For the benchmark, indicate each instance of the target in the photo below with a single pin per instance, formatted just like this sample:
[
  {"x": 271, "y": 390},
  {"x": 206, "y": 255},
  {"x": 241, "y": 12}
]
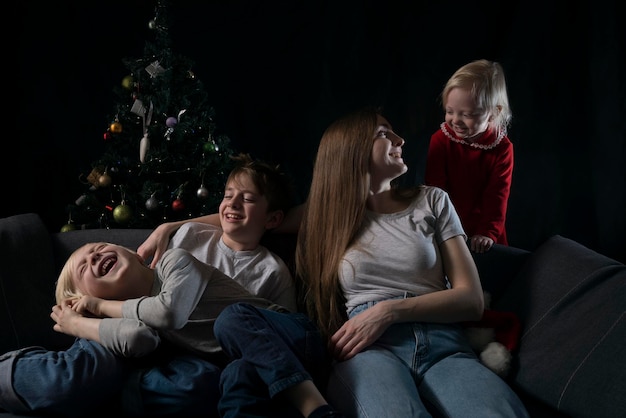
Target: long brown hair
[{"x": 334, "y": 211}]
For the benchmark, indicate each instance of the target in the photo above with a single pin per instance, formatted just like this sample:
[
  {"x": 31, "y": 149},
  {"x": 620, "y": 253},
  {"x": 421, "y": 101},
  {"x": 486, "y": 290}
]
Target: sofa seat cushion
[{"x": 571, "y": 301}]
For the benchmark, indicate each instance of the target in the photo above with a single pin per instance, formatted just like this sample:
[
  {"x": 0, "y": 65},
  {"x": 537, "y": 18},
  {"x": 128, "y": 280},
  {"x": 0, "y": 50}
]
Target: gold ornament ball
[
  {"x": 122, "y": 214},
  {"x": 116, "y": 127},
  {"x": 68, "y": 227},
  {"x": 104, "y": 180},
  {"x": 128, "y": 82}
]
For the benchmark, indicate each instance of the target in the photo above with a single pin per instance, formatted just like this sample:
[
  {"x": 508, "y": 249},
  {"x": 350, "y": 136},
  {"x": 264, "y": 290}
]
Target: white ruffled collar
[{"x": 479, "y": 144}]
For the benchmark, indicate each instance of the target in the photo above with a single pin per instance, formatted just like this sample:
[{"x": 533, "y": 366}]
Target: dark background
[{"x": 278, "y": 72}]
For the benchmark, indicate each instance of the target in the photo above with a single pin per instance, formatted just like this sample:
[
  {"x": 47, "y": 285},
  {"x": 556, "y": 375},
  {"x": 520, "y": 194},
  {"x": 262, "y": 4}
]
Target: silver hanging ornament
[
  {"x": 152, "y": 203},
  {"x": 202, "y": 192}
]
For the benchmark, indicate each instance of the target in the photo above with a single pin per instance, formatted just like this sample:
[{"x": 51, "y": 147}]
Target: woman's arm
[{"x": 462, "y": 302}]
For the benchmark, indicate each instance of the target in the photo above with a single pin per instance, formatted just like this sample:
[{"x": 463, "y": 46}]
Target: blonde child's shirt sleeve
[{"x": 186, "y": 298}]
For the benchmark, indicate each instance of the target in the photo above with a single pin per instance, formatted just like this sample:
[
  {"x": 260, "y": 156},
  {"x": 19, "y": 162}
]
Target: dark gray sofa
[{"x": 571, "y": 359}]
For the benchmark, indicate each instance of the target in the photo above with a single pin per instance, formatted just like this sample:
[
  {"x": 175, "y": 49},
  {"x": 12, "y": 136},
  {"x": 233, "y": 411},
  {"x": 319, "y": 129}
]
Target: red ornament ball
[
  {"x": 107, "y": 136},
  {"x": 178, "y": 205}
]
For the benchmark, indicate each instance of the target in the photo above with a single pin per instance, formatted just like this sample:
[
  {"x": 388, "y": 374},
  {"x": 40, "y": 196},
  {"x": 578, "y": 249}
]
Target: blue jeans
[
  {"x": 62, "y": 383},
  {"x": 270, "y": 351},
  {"x": 87, "y": 378},
  {"x": 419, "y": 370},
  {"x": 172, "y": 384}
]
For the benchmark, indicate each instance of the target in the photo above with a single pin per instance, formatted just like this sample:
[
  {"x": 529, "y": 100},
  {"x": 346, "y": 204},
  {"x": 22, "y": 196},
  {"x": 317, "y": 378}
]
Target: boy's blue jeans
[
  {"x": 84, "y": 379},
  {"x": 270, "y": 351},
  {"x": 415, "y": 369}
]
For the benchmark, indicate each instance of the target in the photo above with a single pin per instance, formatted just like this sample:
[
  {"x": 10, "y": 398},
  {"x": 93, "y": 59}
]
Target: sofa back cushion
[
  {"x": 572, "y": 354},
  {"x": 27, "y": 281},
  {"x": 64, "y": 243}
]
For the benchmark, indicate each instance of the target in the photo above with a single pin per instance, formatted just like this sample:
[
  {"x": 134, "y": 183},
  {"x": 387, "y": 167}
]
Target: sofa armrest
[{"x": 571, "y": 301}]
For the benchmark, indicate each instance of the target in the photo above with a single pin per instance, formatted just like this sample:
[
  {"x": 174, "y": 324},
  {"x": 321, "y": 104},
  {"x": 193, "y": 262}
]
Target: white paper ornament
[
  {"x": 155, "y": 69},
  {"x": 138, "y": 108},
  {"x": 144, "y": 146}
]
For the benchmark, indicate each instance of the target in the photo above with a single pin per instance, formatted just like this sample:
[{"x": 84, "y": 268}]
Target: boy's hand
[{"x": 156, "y": 244}]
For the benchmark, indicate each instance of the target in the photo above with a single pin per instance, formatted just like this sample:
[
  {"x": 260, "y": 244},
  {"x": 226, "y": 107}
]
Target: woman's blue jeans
[
  {"x": 270, "y": 351},
  {"x": 420, "y": 370}
]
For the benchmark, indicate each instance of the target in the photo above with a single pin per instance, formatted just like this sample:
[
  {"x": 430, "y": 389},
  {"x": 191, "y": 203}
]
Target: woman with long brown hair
[{"x": 388, "y": 276}]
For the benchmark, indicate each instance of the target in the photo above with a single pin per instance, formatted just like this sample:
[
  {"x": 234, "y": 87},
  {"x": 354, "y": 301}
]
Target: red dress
[{"x": 477, "y": 176}]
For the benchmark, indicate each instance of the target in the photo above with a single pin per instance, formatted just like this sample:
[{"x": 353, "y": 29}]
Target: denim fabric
[
  {"x": 87, "y": 377},
  {"x": 73, "y": 382},
  {"x": 270, "y": 351},
  {"x": 182, "y": 385},
  {"x": 418, "y": 369}
]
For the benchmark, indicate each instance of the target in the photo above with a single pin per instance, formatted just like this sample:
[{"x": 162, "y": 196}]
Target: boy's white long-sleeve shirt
[{"x": 260, "y": 271}]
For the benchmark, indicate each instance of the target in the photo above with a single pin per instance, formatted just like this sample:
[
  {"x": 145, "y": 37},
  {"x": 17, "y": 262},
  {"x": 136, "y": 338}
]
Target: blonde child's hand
[
  {"x": 88, "y": 306},
  {"x": 480, "y": 243},
  {"x": 69, "y": 321},
  {"x": 65, "y": 317}
]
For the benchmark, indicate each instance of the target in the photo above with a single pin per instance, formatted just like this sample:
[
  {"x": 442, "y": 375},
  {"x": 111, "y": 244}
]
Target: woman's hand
[{"x": 360, "y": 331}]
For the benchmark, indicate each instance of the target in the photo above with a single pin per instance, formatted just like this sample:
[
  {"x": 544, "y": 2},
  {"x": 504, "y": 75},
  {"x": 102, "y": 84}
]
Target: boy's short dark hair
[{"x": 268, "y": 179}]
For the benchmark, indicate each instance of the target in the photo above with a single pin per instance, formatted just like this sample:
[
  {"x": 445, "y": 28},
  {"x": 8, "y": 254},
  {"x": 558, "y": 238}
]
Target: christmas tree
[{"x": 164, "y": 158}]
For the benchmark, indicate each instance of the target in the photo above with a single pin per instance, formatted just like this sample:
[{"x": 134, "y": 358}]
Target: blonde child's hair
[
  {"x": 65, "y": 287},
  {"x": 486, "y": 83}
]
